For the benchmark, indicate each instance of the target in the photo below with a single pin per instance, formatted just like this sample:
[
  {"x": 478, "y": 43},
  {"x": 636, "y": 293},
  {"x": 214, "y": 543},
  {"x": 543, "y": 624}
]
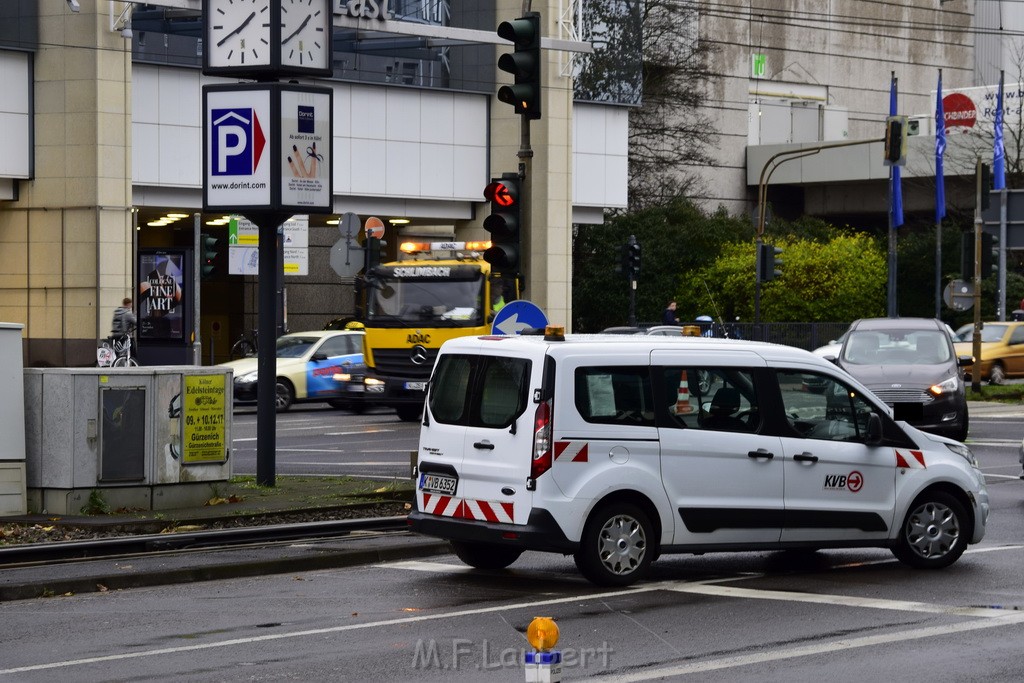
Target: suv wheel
[
  {"x": 486, "y": 555},
  {"x": 616, "y": 548},
  {"x": 933, "y": 534}
]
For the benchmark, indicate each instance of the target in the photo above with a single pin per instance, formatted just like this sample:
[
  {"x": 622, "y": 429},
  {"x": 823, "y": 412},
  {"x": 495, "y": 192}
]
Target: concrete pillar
[{"x": 71, "y": 229}]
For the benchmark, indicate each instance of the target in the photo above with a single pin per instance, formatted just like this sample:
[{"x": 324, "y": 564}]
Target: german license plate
[
  {"x": 437, "y": 483},
  {"x": 415, "y": 386}
]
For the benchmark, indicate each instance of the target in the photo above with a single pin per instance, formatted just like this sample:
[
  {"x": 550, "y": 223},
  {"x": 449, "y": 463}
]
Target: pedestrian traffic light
[
  {"x": 523, "y": 64},
  {"x": 503, "y": 223},
  {"x": 967, "y": 259},
  {"x": 208, "y": 254},
  {"x": 768, "y": 262},
  {"x": 895, "y": 140}
]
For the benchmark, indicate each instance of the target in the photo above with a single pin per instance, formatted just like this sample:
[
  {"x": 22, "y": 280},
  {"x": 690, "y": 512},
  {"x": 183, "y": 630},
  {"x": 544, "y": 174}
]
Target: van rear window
[{"x": 479, "y": 391}]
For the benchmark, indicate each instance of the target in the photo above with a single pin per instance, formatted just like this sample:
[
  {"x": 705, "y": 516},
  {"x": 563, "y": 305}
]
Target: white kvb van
[{"x": 617, "y": 449}]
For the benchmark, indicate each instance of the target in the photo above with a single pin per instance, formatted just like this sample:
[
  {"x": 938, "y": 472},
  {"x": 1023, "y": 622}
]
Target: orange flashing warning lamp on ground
[{"x": 503, "y": 223}]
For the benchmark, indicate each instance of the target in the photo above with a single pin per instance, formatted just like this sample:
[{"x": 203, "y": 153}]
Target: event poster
[{"x": 161, "y": 301}]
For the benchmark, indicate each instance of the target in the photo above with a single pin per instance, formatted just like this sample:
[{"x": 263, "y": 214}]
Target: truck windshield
[{"x": 442, "y": 303}]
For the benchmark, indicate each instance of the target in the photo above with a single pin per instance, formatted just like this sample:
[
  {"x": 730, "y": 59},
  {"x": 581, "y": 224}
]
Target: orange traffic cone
[{"x": 683, "y": 406}]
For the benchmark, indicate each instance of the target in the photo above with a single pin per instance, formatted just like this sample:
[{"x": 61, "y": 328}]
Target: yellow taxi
[{"x": 1002, "y": 350}]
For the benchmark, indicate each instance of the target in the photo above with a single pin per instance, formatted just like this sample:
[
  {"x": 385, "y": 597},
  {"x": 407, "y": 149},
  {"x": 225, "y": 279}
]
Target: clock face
[
  {"x": 238, "y": 33},
  {"x": 306, "y": 34}
]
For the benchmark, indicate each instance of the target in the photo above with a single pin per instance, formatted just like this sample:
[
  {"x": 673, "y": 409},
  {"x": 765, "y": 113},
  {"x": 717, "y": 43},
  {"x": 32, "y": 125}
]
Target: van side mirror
[{"x": 874, "y": 430}]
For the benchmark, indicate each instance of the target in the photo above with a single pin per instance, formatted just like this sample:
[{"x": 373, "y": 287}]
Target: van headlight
[
  {"x": 945, "y": 387},
  {"x": 964, "y": 452}
]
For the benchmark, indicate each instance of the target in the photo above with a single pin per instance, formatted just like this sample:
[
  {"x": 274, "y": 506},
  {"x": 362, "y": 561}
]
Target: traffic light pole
[
  {"x": 767, "y": 170},
  {"x": 976, "y": 337},
  {"x": 197, "y": 276}
]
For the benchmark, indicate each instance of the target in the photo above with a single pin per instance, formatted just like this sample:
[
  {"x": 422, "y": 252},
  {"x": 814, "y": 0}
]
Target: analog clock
[
  {"x": 306, "y": 35},
  {"x": 238, "y": 35}
]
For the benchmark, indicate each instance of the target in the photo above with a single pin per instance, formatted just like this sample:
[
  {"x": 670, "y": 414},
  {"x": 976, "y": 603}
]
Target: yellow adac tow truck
[{"x": 438, "y": 291}]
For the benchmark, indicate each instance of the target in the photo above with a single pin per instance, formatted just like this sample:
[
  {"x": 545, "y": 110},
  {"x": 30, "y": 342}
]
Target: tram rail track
[{"x": 178, "y": 541}]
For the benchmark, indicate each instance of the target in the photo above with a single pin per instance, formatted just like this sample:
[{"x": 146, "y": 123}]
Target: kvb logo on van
[
  {"x": 238, "y": 141},
  {"x": 852, "y": 482}
]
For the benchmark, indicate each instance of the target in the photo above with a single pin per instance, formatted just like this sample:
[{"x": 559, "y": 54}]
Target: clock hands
[
  {"x": 296, "y": 31},
  {"x": 237, "y": 30}
]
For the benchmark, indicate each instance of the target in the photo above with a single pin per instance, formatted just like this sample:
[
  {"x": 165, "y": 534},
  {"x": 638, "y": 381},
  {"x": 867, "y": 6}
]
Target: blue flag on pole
[
  {"x": 940, "y": 150},
  {"x": 998, "y": 151},
  {"x": 895, "y": 186}
]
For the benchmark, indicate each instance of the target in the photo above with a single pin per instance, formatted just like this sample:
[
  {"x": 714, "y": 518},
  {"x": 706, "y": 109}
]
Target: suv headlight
[
  {"x": 945, "y": 387},
  {"x": 964, "y": 452}
]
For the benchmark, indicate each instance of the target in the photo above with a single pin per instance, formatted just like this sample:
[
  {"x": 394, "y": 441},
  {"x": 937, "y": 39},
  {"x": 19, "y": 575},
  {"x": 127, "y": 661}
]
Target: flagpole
[
  {"x": 893, "y": 179},
  {"x": 940, "y": 192}
]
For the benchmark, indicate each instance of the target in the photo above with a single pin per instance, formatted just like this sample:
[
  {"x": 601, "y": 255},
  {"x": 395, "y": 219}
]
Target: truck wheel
[
  {"x": 486, "y": 555},
  {"x": 933, "y": 534},
  {"x": 409, "y": 413},
  {"x": 616, "y": 546}
]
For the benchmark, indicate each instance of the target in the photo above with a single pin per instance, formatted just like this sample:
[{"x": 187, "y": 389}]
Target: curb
[{"x": 109, "y": 580}]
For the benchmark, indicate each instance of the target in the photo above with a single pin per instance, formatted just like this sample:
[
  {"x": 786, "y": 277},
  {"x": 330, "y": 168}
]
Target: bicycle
[
  {"x": 246, "y": 346},
  {"x": 117, "y": 352}
]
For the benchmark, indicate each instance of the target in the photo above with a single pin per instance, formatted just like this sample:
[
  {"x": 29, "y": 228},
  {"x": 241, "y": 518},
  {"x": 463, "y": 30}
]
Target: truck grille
[
  {"x": 891, "y": 396},
  {"x": 397, "y": 363}
]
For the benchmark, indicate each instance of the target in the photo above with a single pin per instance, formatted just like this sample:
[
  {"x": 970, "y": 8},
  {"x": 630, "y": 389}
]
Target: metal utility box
[
  {"x": 143, "y": 438},
  {"x": 12, "y": 422}
]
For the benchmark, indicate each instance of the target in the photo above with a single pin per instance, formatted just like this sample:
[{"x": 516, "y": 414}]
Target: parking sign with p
[{"x": 236, "y": 131}]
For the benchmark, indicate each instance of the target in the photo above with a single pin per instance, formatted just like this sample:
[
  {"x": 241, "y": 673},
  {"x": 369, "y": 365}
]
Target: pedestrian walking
[{"x": 669, "y": 317}]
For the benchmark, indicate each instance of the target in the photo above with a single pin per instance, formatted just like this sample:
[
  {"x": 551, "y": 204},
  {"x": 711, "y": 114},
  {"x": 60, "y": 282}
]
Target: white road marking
[
  {"x": 843, "y": 600},
  {"x": 322, "y": 631},
  {"x": 829, "y": 647}
]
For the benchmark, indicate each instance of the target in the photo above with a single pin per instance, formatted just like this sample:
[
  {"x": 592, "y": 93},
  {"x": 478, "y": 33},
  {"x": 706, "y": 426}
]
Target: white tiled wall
[
  {"x": 387, "y": 141},
  {"x": 600, "y": 153},
  {"x": 15, "y": 83}
]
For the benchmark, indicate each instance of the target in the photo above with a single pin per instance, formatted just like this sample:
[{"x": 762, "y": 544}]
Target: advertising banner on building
[{"x": 162, "y": 295}]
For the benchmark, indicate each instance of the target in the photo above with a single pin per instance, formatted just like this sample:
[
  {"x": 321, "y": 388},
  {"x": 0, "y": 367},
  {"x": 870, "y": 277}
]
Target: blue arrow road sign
[{"x": 516, "y": 316}]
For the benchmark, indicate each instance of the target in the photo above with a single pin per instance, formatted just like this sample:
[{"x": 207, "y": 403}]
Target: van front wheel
[
  {"x": 485, "y": 555},
  {"x": 616, "y": 546},
  {"x": 933, "y": 534}
]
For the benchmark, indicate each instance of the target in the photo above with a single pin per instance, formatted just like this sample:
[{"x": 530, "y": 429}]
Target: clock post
[{"x": 267, "y": 147}]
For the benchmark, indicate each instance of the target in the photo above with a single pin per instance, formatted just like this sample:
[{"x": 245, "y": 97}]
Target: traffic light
[
  {"x": 895, "y": 140},
  {"x": 503, "y": 223},
  {"x": 769, "y": 262},
  {"x": 634, "y": 259},
  {"x": 623, "y": 267},
  {"x": 967, "y": 254},
  {"x": 523, "y": 64},
  {"x": 208, "y": 254}
]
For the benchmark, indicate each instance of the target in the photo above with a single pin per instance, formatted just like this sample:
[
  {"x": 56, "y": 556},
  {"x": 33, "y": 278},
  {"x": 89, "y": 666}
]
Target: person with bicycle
[
  {"x": 121, "y": 329},
  {"x": 124, "y": 319}
]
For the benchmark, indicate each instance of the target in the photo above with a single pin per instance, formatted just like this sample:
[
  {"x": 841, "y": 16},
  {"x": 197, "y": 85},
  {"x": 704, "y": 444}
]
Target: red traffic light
[{"x": 500, "y": 194}]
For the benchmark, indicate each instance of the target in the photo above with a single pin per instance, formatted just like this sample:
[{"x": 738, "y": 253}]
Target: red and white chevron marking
[
  {"x": 466, "y": 508},
  {"x": 574, "y": 451},
  {"x": 912, "y": 460}
]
